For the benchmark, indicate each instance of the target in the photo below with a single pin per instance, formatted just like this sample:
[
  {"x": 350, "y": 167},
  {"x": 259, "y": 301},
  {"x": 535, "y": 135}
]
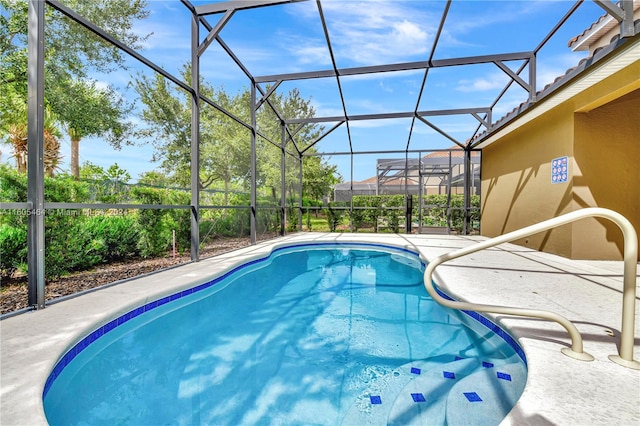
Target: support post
[
  {"x": 627, "y": 25},
  {"x": 195, "y": 139},
  {"x": 449, "y": 209},
  {"x": 420, "y": 192},
  {"x": 532, "y": 82},
  {"x": 407, "y": 195},
  {"x": 300, "y": 191},
  {"x": 351, "y": 194},
  {"x": 466, "y": 229},
  {"x": 254, "y": 166},
  {"x": 622, "y": 12},
  {"x": 283, "y": 182},
  {"x": 35, "y": 155}
]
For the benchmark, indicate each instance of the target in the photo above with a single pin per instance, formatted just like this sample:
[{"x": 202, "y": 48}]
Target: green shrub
[
  {"x": 307, "y": 220},
  {"x": 359, "y": 215},
  {"x": 236, "y": 221},
  {"x": 334, "y": 214},
  {"x": 267, "y": 220},
  {"x": 217, "y": 224},
  {"x": 154, "y": 238},
  {"x": 310, "y": 202},
  {"x": 457, "y": 211},
  {"x": 292, "y": 219},
  {"x": 179, "y": 220},
  {"x": 207, "y": 228},
  {"x": 117, "y": 235},
  {"x": 392, "y": 212},
  {"x": 435, "y": 211},
  {"x": 369, "y": 209},
  {"x": 65, "y": 189},
  {"x": 13, "y": 249},
  {"x": 69, "y": 245},
  {"x": 225, "y": 222},
  {"x": 156, "y": 226},
  {"x": 13, "y": 185},
  {"x": 374, "y": 202}
]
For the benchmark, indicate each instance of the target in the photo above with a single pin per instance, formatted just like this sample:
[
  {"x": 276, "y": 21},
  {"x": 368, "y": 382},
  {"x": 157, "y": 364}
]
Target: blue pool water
[{"x": 319, "y": 334}]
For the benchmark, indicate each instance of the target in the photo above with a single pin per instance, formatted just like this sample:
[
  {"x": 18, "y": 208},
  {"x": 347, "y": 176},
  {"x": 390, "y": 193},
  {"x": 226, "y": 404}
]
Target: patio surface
[{"x": 559, "y": 390}]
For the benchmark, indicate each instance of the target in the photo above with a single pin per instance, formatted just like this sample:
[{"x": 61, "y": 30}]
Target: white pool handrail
[{"x": 625, "y": 357}]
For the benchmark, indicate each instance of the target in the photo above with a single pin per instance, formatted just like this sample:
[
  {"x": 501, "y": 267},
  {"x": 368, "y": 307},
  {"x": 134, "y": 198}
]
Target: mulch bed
[{"x": 14, "y": 296}]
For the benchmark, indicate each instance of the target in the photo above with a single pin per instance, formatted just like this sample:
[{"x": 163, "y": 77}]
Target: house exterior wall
[
  {"x": 607, "y": 156},
  {"x": 516, "y": 188},
  {"x": 599, "y": 131}
]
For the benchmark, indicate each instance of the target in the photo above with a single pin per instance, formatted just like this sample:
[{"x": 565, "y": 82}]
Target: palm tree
[
  {"x": 18, "y": 137},
  {"x": 52, "y": 156}
]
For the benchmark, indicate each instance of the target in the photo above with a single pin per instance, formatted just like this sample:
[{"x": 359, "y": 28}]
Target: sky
[{"x": 290, "y": 38}]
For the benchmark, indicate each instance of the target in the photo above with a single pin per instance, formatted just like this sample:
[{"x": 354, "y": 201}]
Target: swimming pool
[{"x": 322, "y": 334}]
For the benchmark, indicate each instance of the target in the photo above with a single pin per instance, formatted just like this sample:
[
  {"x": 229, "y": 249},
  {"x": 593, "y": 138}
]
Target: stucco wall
[
  {"x": 607, "y": 173},
  {"x": 516, "y": 181},
  {"x": 599, "y": 130}
]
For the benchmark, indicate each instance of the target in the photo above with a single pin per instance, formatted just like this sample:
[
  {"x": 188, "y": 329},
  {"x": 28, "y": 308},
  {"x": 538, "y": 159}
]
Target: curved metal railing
[{"x": 625, "y": 356}]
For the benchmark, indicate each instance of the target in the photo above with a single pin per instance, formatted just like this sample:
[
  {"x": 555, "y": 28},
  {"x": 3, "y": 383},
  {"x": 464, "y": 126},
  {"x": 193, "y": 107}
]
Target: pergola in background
[{"x": 261, "y": 86}]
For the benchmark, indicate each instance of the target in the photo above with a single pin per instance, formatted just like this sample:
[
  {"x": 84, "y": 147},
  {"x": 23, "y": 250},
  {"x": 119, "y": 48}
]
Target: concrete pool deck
[{"x": 559, "y": 390}]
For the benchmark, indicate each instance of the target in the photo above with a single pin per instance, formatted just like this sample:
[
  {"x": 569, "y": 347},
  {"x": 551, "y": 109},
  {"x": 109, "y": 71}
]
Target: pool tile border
[{"x": 503, "y": 334}]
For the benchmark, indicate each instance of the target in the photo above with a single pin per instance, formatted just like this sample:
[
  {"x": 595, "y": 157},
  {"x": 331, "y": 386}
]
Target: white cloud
[
  {"x": 549, "y": 69},
  {"x": 493, "y": 81},
  {"x": 409, "y": 32},
  {"x": 311, "y": 52},
  {"x": 375, "y": 32},
  {"x": 384, "y": 87},
  {"x": 164, "y": 36},
  {"x": 324, "y": 110}
]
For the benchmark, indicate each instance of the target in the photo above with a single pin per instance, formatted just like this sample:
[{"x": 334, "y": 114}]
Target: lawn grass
[{"x": 318, "y": 224}]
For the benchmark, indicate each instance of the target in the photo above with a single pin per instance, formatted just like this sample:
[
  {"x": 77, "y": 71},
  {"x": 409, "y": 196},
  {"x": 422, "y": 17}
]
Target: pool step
[
  {"x": 389, "y": 399},
  {"x": 487, "y": 394},
  {"x": 464, "y": 391},
  {"x": 423, "y": 400}
]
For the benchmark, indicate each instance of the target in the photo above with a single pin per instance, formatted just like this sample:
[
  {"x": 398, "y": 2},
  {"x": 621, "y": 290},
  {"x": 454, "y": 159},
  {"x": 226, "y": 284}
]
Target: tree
[
  {"x": 154, "y": 178},
  {"x": 71, "y": 52},
  {"x": 106, "y": 185},
  {"x": 224, "y": 144},
  {"x": 224, "y": 147},
  {"x": 290, "y": 106},
  {"x": 14, "y": 132},
  {"x": 319, "y": 177},
  {"x": 168, "y": 116},
  {"x": 87, "y": 110},
  {"x": 225, "y": 151}
]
